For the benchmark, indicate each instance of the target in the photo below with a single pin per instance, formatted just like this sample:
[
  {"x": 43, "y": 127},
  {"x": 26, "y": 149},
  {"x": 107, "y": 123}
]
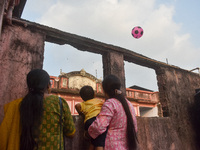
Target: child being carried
[{"x": 90, "y": 108}]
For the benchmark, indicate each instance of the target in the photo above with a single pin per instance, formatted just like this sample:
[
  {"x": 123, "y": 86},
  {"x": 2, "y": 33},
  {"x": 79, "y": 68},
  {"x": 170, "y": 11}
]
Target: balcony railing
[{"x": 142, "y": 95}]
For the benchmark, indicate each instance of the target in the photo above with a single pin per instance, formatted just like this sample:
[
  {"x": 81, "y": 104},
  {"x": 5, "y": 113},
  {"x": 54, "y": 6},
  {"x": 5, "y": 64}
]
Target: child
[{"x": 90, "y": 108}]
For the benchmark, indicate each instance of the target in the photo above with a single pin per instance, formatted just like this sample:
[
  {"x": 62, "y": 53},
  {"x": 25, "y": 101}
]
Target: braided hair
[
  {"x": 111, "y": 86},
  {"x": 31, "y": 108}
]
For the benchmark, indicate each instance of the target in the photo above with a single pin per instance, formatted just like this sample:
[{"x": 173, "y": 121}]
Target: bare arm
[{"x": 78, "y": 108}]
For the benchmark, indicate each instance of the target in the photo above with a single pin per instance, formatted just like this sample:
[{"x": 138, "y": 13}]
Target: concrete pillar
[{"x": 113, "y": 63}]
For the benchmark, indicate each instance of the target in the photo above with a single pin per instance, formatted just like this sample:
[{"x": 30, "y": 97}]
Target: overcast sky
[{"x": 171, "y": 31}]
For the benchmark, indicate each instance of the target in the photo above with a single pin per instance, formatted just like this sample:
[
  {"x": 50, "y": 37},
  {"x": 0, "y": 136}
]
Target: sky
[{"x": 171, "y": 33}]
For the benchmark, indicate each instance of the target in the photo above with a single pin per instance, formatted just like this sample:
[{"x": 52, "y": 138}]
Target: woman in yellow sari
[{"x": 33, "y": 122}]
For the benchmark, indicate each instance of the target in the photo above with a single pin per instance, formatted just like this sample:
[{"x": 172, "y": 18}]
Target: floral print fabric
[
  {"x": 49, "y": 138},
  {"x": 113, "y": 116}
]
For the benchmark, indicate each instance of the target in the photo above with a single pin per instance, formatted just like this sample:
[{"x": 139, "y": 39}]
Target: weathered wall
[
  {"x": 78, "y": 142},
  {"x": 157, "y": 134},
  {"x": 153, "y": 134},
  {"x": 2, "y": 3},
  {"x": 177, "y": 89},
  {"x": 20, "y": 51}
]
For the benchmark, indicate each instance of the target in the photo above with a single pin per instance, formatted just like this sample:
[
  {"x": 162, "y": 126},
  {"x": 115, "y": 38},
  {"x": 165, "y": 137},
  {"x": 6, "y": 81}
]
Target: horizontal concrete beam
[{"x": 86, "y": 44}]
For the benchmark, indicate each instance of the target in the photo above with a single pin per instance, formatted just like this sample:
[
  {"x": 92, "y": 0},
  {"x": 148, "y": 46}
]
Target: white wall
[{"x": 148, "y": 111}]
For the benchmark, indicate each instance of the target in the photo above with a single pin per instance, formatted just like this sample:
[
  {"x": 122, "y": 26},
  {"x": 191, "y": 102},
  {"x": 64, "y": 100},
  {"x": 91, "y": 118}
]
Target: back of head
[
  {"x": 31, "y": 108},
  {"x": 86, "y": 93},
  {"x": 38, "y": 81},
  {"x": 110, "y": 84}
]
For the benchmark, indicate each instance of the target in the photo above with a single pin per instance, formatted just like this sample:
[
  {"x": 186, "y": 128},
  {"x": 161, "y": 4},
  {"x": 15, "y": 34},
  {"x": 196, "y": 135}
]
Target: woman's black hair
[
  {"x": 31, "y": 108},
  {"x": 110, "y": 84}
]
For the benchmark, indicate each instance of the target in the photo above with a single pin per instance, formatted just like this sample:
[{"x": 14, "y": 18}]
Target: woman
[
  {"x": 33, "y": 122},
  {"x": 117, "y": 114}
]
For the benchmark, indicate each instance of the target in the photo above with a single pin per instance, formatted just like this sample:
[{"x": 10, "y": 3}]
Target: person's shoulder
[
  {"x": 12, "y": 104},
  {"x": 111, "y": 101},
  {"x": 52, "y": 99},
  {"x": 129, "y": 102},
  {"x": 17, "y": 100},
  {"x": 57, "y": 99},
  {"x": 64, "y": 102},
  {"x": 97, "y": 99}
]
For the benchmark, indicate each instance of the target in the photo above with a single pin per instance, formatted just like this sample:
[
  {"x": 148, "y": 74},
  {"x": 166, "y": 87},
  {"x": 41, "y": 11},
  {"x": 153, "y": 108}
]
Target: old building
[{"x": 67, "y": 85}]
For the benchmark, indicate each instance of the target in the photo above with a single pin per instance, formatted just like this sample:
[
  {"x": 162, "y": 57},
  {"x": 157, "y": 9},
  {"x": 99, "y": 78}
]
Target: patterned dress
[
  {"x": 49, "y": 138},
  {"x": 113, "y": 116}
]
